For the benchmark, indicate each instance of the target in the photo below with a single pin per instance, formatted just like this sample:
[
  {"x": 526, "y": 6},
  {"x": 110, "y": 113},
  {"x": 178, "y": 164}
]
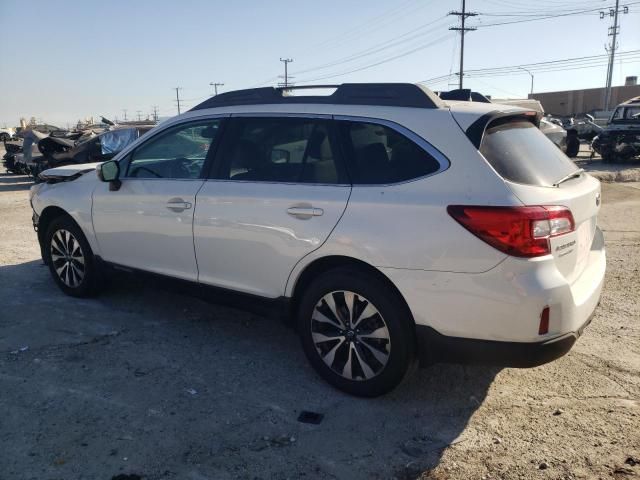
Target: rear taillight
[{"x": 517, "y": 231}]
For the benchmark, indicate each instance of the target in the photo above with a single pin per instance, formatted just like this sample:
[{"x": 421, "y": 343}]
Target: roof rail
[{"x": 379, "y": 94}]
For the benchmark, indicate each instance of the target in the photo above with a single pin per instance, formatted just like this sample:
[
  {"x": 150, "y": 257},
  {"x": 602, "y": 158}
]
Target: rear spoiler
[{"x": 476, "y": 130}]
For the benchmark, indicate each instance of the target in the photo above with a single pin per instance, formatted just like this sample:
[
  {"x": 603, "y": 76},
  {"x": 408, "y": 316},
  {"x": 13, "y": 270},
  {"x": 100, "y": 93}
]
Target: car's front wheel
[
  {"x": 70, "y": 258},
  {"x": 356, "y": 332}
]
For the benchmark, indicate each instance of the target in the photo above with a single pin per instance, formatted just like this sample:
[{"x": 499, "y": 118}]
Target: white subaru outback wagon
[{"x": 392, "y": 225}]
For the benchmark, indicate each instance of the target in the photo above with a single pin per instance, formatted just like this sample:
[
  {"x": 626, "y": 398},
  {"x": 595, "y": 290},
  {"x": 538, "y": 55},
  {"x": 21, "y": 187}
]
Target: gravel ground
[
  {"x": 147, "y": 382},
  {"x": 607, "y": 172}
]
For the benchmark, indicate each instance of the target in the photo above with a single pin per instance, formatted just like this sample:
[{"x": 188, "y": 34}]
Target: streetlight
[
  {"x": 215, "y": 86},
  {"x": 522, "y": 68}
]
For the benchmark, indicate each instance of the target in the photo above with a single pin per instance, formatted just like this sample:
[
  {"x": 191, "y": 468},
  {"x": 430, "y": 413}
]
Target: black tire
[
  {"x": 573, "y": 146},
  {"x": 393, "y": 314},
  {"x": 75, "y": 279},
  {"x": 4, "y": 137}
]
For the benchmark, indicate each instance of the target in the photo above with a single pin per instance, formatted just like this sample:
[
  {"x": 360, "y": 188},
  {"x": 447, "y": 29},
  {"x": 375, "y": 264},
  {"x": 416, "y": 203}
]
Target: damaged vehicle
[
  {"x": 61, "y": 151},
  {"x": 26, "y": 161},
  {"x": 387, "y": 224},
  {"x": 620, "y": 140},
  {"x": 7, "y": 134}
]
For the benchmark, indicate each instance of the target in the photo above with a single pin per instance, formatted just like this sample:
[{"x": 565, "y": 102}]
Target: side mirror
[{"x": 110, "y": 172}]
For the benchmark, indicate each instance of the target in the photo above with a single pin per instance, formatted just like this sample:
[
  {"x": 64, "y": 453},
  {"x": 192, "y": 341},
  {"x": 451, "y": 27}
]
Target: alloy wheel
[
  {"x": 350, "y": 335},
  {"x": 67, "y": 258}
]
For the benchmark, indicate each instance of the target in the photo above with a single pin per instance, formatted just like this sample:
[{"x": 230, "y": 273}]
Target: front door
[
  {"x": 277, "y": 192},
  {"x": 148, "y": 223}
]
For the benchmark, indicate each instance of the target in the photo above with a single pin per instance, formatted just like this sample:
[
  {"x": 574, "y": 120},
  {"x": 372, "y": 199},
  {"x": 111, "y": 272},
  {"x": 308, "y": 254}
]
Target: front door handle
[
  {"x": 305, "y": 213},
  {"x": 178, "y": 205}
]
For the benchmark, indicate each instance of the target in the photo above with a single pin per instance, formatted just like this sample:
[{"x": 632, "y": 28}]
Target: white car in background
[
  {"x": 7, "y": 134},
  {"x": 392, "y": 225}
]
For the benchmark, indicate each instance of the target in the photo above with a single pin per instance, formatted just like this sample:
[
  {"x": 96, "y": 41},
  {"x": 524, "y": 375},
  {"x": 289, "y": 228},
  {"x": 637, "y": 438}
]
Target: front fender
[{"x": 75, "y": 198}]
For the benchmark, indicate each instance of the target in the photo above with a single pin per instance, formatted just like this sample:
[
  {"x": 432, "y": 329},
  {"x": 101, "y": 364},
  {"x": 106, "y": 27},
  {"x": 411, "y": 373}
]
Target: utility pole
[
  {"x": 286, "y": 62},
  {"x": 613, "y": 32},
  {"x": 139, "y": 112},
  {"x": 463, "y": 16},
  {"x": 178, "y": 98},
  {"x": 155, "y": 113},
  {"x": 522, "y": 68},
  {"x": 215, "y": 87},
  {"x": 125, "y": 114}
]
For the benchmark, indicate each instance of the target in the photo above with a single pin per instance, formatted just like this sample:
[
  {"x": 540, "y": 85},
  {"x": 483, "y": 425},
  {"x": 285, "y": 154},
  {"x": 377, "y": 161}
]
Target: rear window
[{"x": 521, "y": 153}]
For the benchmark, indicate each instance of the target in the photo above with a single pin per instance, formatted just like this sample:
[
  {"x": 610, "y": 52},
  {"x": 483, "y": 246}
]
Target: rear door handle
[
  {"x": 304, "y": 212},
  {"x": 178, "y": 205}
]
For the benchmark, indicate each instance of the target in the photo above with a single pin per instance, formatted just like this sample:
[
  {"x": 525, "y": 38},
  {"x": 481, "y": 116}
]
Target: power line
[
  {"x": 395, "y": 41},
  {"x": 155, "y": 113},
  {"x": 548, "y": 16},
  {"x": 548, "y": 66},
  {"x": 375, "y": 64},
  {"x": 374, "y": 23},
  {"x": 462, "y": 29}
]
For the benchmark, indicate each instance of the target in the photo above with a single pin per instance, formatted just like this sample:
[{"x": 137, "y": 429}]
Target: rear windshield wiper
[{"x": 575, "y": 174}]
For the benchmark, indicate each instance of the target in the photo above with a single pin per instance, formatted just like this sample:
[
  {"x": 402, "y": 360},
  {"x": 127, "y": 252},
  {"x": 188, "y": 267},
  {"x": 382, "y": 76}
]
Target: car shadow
[
  {"x": 201, "y": 390},
  {"x": 12, "y": 183}
]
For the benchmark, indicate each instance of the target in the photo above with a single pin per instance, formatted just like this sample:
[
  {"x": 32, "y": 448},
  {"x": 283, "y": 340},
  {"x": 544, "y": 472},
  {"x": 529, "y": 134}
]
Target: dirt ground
[{"x": 147, "y": 383}]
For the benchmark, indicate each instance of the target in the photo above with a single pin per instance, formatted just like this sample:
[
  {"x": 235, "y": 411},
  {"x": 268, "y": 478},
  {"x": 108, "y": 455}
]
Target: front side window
[
  {"x": 291, "y": 150},
  {"x": 632, "y": 113},
  {"x": 382, "y": 155},
  {"x": 179, "y": 153}
]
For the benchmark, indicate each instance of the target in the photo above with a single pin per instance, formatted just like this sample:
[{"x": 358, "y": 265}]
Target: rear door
[
  {"x": 148, "y": 222},
  {"x": 277, "y": 191},
  {"x": 538, "y": 173}
]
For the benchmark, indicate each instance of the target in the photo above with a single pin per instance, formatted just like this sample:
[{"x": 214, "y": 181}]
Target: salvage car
[
  {"x": 620, "y": 140},
  {"x": 60, "y": 151},
  {"x": 390, "y": 225},
  {"x": 7, "y": 134}
]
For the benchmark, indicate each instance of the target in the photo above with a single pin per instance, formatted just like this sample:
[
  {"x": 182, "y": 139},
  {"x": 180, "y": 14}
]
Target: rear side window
[
  {"x": 286, "y": 149},
  {"x": 381, "y": 155},
  {"x": 521, "y": 153}
]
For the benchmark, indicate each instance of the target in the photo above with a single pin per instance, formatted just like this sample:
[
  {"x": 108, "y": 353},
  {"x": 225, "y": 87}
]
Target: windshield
[{"x": 521, "y": 153}]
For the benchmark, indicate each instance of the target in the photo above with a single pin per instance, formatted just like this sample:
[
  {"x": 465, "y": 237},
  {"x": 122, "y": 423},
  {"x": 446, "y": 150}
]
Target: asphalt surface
[{"x": 146, "y": 382}]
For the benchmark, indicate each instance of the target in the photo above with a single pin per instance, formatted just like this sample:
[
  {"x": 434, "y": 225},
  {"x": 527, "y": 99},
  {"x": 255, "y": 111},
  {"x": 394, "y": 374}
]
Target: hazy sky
[{"x": 68, "y": 59}]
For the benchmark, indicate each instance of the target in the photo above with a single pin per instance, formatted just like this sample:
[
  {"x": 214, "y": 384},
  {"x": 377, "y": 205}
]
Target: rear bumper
[
  {"x": 434, "y": 348},
  {"x": 504, "y": 304}
]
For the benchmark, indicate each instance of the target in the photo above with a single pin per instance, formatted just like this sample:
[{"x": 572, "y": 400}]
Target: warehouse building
[{"x": 590, "y": 100}]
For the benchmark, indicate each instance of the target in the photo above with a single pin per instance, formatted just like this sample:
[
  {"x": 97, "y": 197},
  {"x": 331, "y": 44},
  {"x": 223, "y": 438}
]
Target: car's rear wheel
[
  {"x": 356, "y": 332},
  {"x": 4, "y": 137},
  {"x": 573, "y": 146},
  {"x": 70, "y": 258}
]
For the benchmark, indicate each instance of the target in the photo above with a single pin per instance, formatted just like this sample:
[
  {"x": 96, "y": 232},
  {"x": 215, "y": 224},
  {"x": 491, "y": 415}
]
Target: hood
[{"x": 68, "y": 172}]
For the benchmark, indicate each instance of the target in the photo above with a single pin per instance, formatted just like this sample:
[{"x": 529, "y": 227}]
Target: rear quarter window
[
  {"x": 521, "y": 153},
  {"x": 381, "y": 155}
]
